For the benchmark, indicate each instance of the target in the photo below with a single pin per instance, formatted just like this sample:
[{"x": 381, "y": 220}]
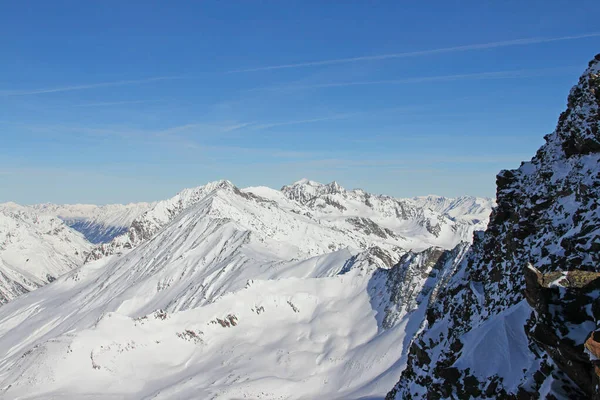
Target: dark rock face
[
  {"x": 14, "y": 289},
  {"x": 412, "y": 283},
  {"x": 369, "y": 227},
  {"x": 372, "y": 258},
  {"x": 417, "y": 277},
  {"x": 548, "y": 214},
  {"x": 566, "y": 308},
  {"x": 592, "y": 347}
]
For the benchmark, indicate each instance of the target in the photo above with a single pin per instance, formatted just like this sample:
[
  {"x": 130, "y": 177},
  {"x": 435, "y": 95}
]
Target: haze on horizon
[{"x": 389, "y": 97}]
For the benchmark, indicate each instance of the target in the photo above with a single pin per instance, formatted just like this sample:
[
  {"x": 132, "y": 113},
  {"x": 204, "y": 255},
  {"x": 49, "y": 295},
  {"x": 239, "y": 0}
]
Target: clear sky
[{"x": 119, "y": 101}]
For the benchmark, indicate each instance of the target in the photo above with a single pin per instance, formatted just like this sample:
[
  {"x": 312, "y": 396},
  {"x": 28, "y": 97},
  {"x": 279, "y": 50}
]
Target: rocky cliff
[{"x": 483, "y": 339}]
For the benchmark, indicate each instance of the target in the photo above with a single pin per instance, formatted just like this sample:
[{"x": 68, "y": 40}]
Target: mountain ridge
[
  {"x": 35, "y": 249},
  {"x": 99, "y": 224},
  {"x": 425, "y": 225}
]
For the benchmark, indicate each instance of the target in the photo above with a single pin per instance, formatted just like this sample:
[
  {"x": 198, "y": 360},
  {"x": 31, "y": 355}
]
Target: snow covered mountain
[
  {"x": 241, "y": 295},
  {"x": 327, "y": 220},
  {"x": 470, "y": 209},
  {"x": 300, "y": 293},
  {"x": 299, "y": 234},
  {"x": 322, "y": 197},
  {"x": 34, "y": 250},
  {"x": 99, "y": 224},
  {"x": 519, "y": 317},
  {"x": 408, "y": 218}
]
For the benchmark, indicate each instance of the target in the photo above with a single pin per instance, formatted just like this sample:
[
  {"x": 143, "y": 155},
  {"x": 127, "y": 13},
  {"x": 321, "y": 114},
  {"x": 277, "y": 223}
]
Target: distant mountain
[
  {"x": 99, "y": 224},
  {"x": 424, "y": 222},
  {"x": 282, "y": 220},
  {"x": 35, "y": 249},
  {"x": 470, "y": 209},
  {"x": 353, "y": 218}
]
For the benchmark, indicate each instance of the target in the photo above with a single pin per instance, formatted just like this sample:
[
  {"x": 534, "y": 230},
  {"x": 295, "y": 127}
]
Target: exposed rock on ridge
[
  {"x": 566, "y": 310},
  {"x": 416, "y": 278}
]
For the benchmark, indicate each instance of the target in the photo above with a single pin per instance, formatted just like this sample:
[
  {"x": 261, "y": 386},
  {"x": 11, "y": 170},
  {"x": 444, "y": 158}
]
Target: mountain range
[
  {"x": 116, "y": 227},
  {"x": 260, "y": 259}
]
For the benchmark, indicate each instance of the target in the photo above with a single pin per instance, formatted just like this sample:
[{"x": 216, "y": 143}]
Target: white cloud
[
  {"x": 28, "y": 92},
  {"x": 115, "y": 103},
  {"x": 301, "y": 121},
  {"x": 454, "y": 49},
  {"x": 524, "y": 73}
]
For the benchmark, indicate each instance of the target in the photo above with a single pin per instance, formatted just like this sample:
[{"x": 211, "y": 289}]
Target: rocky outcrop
[
  {"x": 414, "y": 281},
  {"x": 548, "y": 214},
  {"x": 592, "y": 347},
  {"x": 372, "y": 259},
  {"x": 368, "y": 227},
  {"x": 566, "y": 306}
]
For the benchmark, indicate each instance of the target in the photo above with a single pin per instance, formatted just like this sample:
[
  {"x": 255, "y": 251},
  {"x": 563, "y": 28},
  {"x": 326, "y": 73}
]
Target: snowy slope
[
  {"x": 292, "y": 338},
  {"x": 254, "y": 303},
  {"x": 99, "y": 224},
  {"x": 470, "y": 209},
  {"x": 34, "y": 250}
]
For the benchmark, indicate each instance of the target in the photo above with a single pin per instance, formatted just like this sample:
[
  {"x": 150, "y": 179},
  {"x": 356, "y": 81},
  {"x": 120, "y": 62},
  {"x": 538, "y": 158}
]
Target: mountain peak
[
  {"x": 335, "y": 187},
  {"x": 594, "y": 64},
  {"x": 191, "y": 194},
  {"x": 10, "y": 205},
  {"x": 305, "y": 190},
  {"x": 306, "y": 182},
  {"x": 303, "y": 181},
  {"x": 578, "y": 129},
  {"x": 220, "y": 184}
]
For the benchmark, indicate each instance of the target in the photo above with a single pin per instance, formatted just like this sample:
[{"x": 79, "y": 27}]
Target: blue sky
[{"x": 114, "y": 101}]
